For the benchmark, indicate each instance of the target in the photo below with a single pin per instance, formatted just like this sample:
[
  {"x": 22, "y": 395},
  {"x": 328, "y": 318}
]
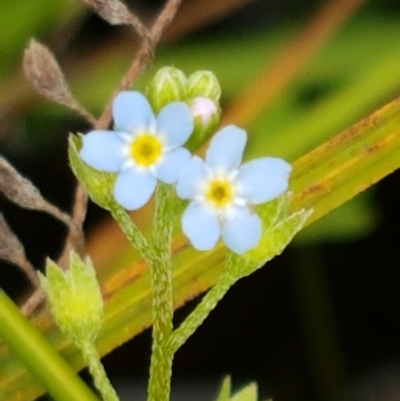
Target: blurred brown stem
[
  {"x": 143, "y": 56},
  {"x": 75, "y": 237}
]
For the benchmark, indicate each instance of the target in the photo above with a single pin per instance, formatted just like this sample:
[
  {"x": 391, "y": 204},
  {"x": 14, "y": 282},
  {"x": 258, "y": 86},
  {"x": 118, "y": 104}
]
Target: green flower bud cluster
[
  {"x": 200, "y": 91},
  {"x": 75, "y": 298}
]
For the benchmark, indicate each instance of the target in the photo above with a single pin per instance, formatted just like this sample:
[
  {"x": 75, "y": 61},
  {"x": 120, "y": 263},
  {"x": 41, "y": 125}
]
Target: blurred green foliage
[{"x": 22, "y": 19}]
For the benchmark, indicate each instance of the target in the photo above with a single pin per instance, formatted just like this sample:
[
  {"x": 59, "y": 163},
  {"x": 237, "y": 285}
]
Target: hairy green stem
[
  {"x": 133, "y": 234},
  {"x": 200, "y": 313},
  {"x": 162, "y": 223},
  {"x": 162, "y": 303},
  {"x": 97, "y": 371},
  {"x": 161, "y": 359},
  {"x": 58, "y": 378}
]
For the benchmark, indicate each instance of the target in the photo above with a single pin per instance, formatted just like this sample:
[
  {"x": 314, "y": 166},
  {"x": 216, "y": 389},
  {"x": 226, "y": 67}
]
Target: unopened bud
[
  {"x": 167, "y": 86},
  {"x": 206, "y": 115},
  {"x": 75, "y": 298},
  {"x": 203, "y": 84}
]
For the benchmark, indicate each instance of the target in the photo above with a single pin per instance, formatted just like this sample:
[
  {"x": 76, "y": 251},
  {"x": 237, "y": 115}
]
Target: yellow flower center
[
  {"x": 146, "y": 149},
  {"x": 219, "y": 193}
]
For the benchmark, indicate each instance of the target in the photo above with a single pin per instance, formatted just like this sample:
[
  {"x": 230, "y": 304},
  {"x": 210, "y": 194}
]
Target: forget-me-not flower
[
  {"x": 142, "y": 148},
  {"x": 222, "y": 192}
]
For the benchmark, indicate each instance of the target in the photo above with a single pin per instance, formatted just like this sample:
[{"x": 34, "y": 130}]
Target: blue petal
[
  {"x": 264, "y": 179},
  {"x": 175, "y": 124},
  {"x": 190, "y": 179},
  {"x": 173, "y": 164},
  {"x": 132, "y": 112},
  {"x": 226, "y": 148},
  {"x": 133, "y": 188},
  {"x": 242, "y": 231},
  {"x": 103, "y": 150},
  {"x": 201, "y": 226}
]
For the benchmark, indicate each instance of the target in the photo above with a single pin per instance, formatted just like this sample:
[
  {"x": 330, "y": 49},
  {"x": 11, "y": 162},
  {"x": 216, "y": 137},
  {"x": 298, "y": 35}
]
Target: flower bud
[
  {"x": 98, "y": 184},
  {"x": 75, "y": 298},
  {"x": 203, "y": 84},
  {"x": 167, "y": 86},
  {"x": 206, "y": 115}
]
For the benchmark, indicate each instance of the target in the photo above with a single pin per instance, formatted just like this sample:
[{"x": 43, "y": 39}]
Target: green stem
[
  {"x": 201, "y": 312},
  {"x": 97, "y": 371},
  {"x": 161, "y": 359},
  {"x": 162, "y": 303},
  {"x": 163, "y": 217},
  {"x": 39, "y": 357},
  {"x": 133, "y": 234}
]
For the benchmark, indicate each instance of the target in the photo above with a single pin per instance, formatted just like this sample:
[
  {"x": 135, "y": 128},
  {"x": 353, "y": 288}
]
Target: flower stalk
[
  {"x": 201, "y": 312},
  {"x": 162, "y": 307},
  {"x": 133, "y": 234},
  {"x": 97, "y": 371},
  {"x": 159, "y": 386}
]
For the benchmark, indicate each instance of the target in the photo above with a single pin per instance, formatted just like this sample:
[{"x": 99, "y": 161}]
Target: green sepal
[
  {"x": 75, "y": 298},
  {"x": 279, "y": 227},
  {"x": 99, "y": 185},
  {"x": 203, "y": 84},
  {"x": 271, "y": 212},
  {"x": 206, "y": 115},
  {"x": 167, "y": 86}
]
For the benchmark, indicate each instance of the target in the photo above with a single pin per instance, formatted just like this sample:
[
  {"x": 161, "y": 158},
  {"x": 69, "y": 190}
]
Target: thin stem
[
  {"x": 162, "y": 303},
  {"x": 143, "y": 56},
  {"x": 133, "y": 234},
  {"x": 201, "y": 312},
  {"x": 75, "y": 241},
  {"x": 97, "y": 371},
  {"x": 162, "y": 306},
  {"x": 163, "y": 216},
  {"x": 30, "y": 272},
  {"x": 39, "y": 357},
  {"x": 158, "y": 258},
  {"x": 32, "y": 303}
]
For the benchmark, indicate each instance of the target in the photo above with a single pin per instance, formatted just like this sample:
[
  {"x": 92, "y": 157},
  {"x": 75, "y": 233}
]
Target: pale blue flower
[
  {"x": 222, "y": 192},
  {"x": 142, "y": 148}
]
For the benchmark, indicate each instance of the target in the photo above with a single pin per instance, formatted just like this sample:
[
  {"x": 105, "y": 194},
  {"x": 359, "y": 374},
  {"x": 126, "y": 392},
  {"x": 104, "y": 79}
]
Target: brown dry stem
[
  {"x": 75, "y": 237},
  {"x": 12, "y": 250},
  {"x": 143, "y": 57}
]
